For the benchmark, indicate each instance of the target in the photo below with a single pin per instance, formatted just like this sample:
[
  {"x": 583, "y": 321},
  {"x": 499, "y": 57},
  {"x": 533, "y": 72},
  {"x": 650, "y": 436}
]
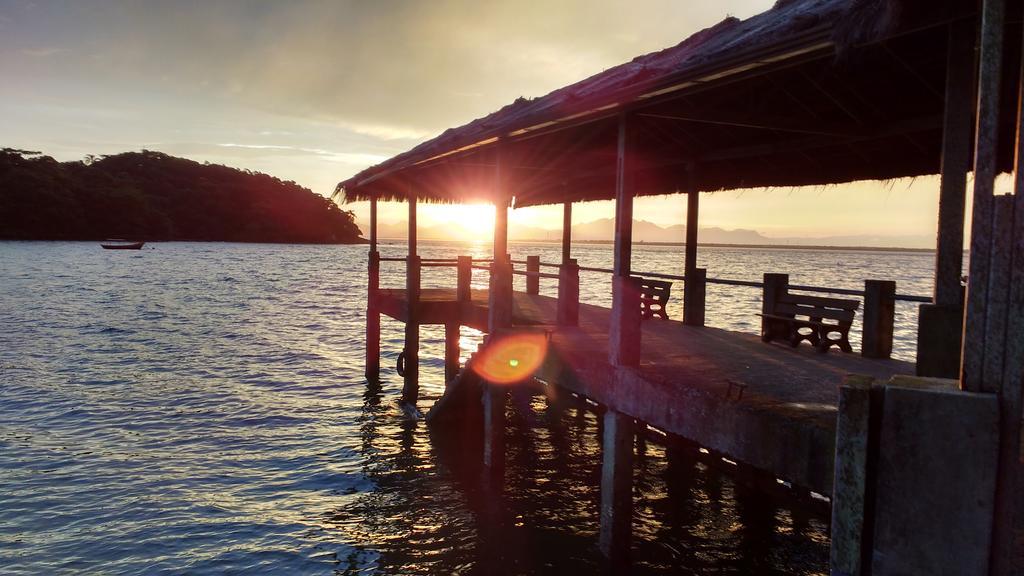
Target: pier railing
[{"x": 879, "y": 297}]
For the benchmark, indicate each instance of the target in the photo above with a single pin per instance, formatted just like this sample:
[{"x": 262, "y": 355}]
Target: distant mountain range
[{"x": 602, "y": 230}]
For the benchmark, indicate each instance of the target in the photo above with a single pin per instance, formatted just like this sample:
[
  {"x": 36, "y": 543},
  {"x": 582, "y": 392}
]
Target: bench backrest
[
  {"x": 656, "y": 289},
  {"x": 837, "y": 309}
]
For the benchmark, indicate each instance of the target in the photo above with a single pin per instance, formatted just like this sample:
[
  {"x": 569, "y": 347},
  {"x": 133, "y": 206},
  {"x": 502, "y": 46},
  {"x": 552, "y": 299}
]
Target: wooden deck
[{"x": 767, "y": 405}]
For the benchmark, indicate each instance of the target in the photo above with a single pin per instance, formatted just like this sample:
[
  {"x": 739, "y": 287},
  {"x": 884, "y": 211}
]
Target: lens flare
[{"x": 511, "y": 358}]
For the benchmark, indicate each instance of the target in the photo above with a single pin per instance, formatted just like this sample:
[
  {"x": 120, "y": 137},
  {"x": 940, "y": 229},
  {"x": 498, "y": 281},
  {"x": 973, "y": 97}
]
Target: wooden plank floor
[{"x": 767, "y": 405}]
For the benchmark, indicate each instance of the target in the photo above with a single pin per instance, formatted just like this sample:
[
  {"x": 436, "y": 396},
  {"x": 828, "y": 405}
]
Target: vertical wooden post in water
[
  {"x": 451, "y": 351},
  {"x": 879, "y": 318},
  {"x": 372, "y": 371},
  {"x": 624, "y": 352},
  {"x": 940, "y": 323},
  {"x": 986, "y": 137},
  {"x": 411, "y": 386},
  {"x": 616, "y": 489},
  {"x": 499, "y": 318}
]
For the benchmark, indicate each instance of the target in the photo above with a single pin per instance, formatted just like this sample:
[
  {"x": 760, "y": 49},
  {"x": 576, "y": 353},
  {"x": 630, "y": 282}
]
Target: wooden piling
[
  {"x": 532, "y": 269},
  {"x": 569, "y": 294},
  {"x": 494, "y": 399},
  {"x": 451, "y": 351},
  {"x": 879, "y": 318},
  {"x": 846, "y": 552},
  {"x": 372, "y": 365},
  {"x": 616, "y": 489},
  {"x": 372, "y": 371},
  {"x": 411, "y": 352},
  {"x": 694, "y": 296}
]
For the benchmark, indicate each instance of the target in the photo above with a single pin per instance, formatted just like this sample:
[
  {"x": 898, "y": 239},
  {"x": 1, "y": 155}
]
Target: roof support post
[
  {"x": 941, "y": 323},
  {"x": 695, "y": 284},
  {"x": 372, "y": 371},
  {"x": 566, "y": 232},
  {"x": 986, "y": 137},
  {"x": 956, "y": 158},
  {"x": 411, "y": 353},
  {"x": 624, "y": 331},
  {"x": 500, "y": 295},
  {"x": 373, "y": 223},
  {"x": 499, "y": 317}
]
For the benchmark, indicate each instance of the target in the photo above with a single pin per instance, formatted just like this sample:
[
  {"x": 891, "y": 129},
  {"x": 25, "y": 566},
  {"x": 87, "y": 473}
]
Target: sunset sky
[{"x": 316, "y": 91}]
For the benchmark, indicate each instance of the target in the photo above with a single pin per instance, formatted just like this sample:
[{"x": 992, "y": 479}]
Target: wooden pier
[
  {"x": 789, "y": 97},
  {"x": 770, "y": 406}
]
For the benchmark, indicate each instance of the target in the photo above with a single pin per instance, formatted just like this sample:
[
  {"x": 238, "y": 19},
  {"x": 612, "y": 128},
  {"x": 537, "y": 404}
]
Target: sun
[{"x": 465, "y": 221}]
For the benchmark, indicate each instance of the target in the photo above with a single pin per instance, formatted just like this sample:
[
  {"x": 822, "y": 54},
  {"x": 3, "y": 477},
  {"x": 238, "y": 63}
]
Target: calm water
[{"x": 199, "y": 408}]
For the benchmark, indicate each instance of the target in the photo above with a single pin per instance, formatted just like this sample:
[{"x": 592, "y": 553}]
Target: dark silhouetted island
[{"x": 153, "y": 196}]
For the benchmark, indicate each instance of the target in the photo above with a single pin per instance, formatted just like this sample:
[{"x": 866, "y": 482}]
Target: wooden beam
[
  {"x": 986, "y": 138},
  {"x": 748, "y": 124}
]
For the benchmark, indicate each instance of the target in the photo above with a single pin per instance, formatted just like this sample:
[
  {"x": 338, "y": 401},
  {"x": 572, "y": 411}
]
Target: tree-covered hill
[{"x": 153, "y": 196}]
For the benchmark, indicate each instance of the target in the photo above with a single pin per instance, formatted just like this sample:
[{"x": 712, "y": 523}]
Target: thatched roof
[{"x": 808, "y": 92}]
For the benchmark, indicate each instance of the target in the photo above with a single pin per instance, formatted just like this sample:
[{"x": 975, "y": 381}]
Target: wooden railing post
[
  {"x": 464, "y": 290},
  {"x": 411, "y": 386},
  {"x": 694, "y": 296},
  {"x": 569, "y": 294},
  {"x": 532, "y": 280},
  {"x": 500, "y": 304},
  {"x": 879, "y": 318},
  {"x": 373, "y": 318},
  {"x": 775, "y": 285}
]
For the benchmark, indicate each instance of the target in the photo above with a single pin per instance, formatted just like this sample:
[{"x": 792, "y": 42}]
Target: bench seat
[{"x": 824, "y": 322}]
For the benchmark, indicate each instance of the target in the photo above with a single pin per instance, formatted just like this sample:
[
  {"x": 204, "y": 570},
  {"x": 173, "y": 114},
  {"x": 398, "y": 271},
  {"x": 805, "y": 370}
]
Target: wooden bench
[
  {"x": 653, "y": 297},
  {"x": 823, "y": 322}
]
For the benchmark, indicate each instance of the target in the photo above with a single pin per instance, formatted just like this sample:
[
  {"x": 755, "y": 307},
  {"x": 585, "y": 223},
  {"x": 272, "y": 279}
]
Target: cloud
[
  {"x": 392, "y": 70},
  {"x": 41, "y": 52},
  {"x": 357, "y": 158}
]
